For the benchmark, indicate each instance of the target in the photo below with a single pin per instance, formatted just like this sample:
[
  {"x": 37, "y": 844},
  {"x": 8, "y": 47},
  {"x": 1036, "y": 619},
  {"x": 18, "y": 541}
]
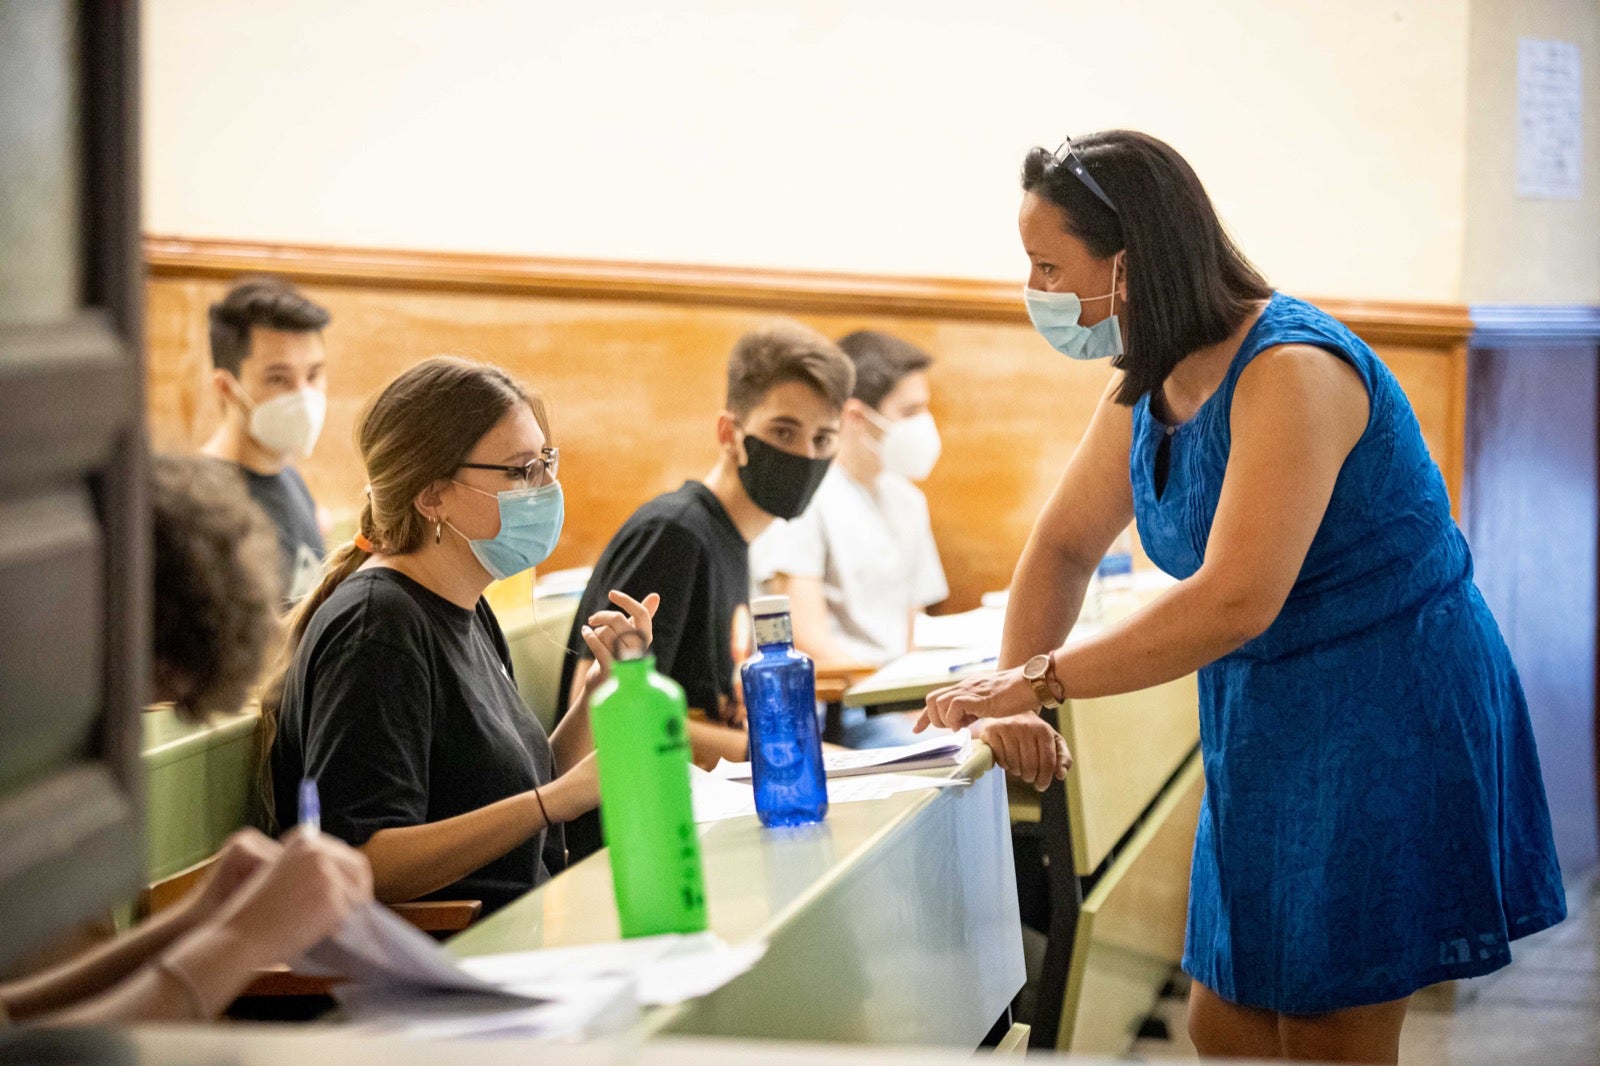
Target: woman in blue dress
[{"x": 1374, "y": 819}]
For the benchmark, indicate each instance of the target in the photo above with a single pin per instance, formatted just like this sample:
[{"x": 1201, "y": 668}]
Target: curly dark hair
[{"x": 216, "y": 586}]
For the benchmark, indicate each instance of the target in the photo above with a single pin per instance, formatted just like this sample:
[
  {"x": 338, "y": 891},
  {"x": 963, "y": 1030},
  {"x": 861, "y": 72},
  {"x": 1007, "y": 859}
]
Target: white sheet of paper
[
  {"x": 666, "y": 969},
  {"x": 717, "y": 799},
  {"x": 572, "y": 1010},
  {"x": 377, "y": 948},
  {"x": 941, "y": 748},
  {"x": 1549, "y": 119},
  {"x": 978, "y": 628}
]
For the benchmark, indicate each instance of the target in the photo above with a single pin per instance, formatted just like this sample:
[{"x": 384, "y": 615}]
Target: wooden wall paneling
[{"x": 631, "y": 357}]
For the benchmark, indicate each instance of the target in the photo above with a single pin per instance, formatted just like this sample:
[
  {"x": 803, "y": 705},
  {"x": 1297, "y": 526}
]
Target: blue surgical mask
[
  {"x": 1055, "y": 315},
  {"x": 530, "y": 525}
]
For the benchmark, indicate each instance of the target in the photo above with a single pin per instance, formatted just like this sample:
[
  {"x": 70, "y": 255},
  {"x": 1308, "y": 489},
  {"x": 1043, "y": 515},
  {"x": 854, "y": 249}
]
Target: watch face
[{"x": 1035, "y": 667}]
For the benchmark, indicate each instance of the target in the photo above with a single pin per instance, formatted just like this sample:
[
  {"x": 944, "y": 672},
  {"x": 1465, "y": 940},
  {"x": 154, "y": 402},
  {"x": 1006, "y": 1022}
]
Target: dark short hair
[
  {"x": 882, "y": 361},
  {"x": 265, "y": 302},
  {"x": 786, "y": 351},
  {"x": 215, "y": 563},
  {"x": 1188, "y": 284}
]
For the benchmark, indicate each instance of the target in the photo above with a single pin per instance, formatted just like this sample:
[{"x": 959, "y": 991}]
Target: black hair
[
  {"x": 216, "y": 585},
  {"x": 1188, "y": 284},
  {"x": 263, "y": 301},
  {"x": 882, "y": 361}
]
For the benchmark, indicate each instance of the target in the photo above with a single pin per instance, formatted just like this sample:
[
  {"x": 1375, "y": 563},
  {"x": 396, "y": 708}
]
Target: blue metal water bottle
[{"x": 780, "y": 696}]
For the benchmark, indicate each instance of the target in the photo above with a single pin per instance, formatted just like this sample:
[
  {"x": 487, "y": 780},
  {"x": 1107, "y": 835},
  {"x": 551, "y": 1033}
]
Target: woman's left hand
[
  {"x": 605, "y": 627},
  {"x": 997, "y": 695}
]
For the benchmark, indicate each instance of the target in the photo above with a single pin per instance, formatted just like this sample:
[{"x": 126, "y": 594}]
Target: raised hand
[{"x": 604, "y": 627}]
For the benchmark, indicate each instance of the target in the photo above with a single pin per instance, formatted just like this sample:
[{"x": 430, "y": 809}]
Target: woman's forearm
[
  {"x": 1046, "y": 596},
  {"x": 1190, "y": 625},
  {"x": 96, "y": 970},
  {"x": 573, "y": 738},
  {"x": 413, "y": 860}
]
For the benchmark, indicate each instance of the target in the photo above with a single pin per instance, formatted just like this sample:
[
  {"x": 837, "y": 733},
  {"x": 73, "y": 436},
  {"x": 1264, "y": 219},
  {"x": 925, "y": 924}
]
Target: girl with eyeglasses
[{"x": 397, "y": 697}]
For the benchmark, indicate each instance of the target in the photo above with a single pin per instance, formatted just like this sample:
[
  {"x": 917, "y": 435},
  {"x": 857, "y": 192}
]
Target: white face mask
[
  {"x": 910, "y": 447},
  {"x": 290, "y": 424}
]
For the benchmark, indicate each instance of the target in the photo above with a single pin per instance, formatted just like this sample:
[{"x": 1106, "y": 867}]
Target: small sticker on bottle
[{"x": 774, "y": 629}]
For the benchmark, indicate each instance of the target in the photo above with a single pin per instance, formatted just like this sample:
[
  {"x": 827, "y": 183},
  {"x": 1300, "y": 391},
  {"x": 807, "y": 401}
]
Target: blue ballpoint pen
[
  {"x": 958, "y": 667},
  {"x": 310, "y": 807}
]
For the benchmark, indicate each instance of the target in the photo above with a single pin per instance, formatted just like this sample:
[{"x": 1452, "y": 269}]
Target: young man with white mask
[
  {"x": 861, "y": 563},
  {"x": 268, "y": 369}
]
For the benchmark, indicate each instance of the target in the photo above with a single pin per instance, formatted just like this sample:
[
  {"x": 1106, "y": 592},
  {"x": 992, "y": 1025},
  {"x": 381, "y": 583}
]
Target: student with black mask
[{"x": 776, "y": 437}]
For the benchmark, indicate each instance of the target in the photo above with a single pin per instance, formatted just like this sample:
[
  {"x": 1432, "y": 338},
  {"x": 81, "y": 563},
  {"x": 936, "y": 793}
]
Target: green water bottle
[{"x": 641, "y": 733}]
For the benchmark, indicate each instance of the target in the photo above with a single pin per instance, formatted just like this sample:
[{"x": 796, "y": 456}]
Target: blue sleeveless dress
[{"x": 1374, "y": 818}]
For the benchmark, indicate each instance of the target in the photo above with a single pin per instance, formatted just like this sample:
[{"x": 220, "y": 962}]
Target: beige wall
[
  {"x": 1527, "y": 251},
  {"x": 877, "y": 137}
]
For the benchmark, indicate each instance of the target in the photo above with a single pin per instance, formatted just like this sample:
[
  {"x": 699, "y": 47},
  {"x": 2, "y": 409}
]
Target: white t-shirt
[{"x": 872, "y": 549}]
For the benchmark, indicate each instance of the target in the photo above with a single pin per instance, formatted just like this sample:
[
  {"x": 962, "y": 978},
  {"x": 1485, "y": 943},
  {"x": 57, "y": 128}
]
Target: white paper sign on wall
[{"x": 1549, "y": 120}]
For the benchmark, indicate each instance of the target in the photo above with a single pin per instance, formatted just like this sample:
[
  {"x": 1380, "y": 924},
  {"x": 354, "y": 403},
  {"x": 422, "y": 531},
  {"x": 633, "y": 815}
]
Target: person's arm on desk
[
  {"x": 1026, "y": 747},
  {"x": 265, "y": 903},
  {"x": 1297, "y": 412},
  {"x": 413, "y": 860}
]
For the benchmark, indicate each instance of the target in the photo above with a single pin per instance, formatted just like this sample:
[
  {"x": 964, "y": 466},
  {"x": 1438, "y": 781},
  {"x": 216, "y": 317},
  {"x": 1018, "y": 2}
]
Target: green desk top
[{"x": 870, "y": 920}]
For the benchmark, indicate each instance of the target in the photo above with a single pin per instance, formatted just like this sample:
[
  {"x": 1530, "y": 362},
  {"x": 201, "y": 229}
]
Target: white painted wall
[
  {"x": 1528, "y": 251},
  {"x": 877, "y": 136}
]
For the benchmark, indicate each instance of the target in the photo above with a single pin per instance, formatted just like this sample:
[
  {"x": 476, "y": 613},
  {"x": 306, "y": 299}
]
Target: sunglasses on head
[{"x": 1066, "y": 157}]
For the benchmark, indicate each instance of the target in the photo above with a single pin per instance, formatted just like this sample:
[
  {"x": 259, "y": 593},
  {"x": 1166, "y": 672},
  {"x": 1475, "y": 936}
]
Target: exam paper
[
  {"x": 665, "y": 969},
  {"x": 575, "y": 1010},
  {"x": 976, "y": 629},
  {"x": 717, "y": 799},
  {"x": 942, "y": 748},
  {"x": 377, "y": 948}
]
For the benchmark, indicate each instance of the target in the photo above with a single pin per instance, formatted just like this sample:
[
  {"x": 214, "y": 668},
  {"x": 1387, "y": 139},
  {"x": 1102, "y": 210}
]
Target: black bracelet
[{"x": 547, "y": 822}]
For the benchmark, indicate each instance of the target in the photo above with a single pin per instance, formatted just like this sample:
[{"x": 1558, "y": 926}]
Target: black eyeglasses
[
  {"x": 1066, "y": 157},
  {"x": 534, "y": 473}
]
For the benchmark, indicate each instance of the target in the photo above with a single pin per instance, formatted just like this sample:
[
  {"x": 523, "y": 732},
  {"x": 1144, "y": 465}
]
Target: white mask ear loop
[{"x": 1115, "y": 262}]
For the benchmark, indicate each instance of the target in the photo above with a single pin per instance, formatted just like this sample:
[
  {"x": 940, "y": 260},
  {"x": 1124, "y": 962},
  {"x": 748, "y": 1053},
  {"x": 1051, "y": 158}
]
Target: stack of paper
[
  {"x": 941, "y": 748},
  {"x": 724, "y": 794},
  {"x": 398, "y": 979}
]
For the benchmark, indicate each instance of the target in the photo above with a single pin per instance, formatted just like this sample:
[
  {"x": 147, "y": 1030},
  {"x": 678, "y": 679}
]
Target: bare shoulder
[{"x": 1310, "y": 385}]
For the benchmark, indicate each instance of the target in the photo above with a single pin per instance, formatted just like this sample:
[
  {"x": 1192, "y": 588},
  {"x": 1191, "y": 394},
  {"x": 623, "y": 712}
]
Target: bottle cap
[
  {"x": 763, "y": 606},
  {"x": 628, "y": 647}
]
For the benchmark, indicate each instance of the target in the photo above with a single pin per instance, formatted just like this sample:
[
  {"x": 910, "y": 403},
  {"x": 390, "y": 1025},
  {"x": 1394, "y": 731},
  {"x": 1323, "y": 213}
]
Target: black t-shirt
[
  {"x": 401, "y": 706},
  {"x": 287, "y": 501},
  {"x": 684, "y": 546}
]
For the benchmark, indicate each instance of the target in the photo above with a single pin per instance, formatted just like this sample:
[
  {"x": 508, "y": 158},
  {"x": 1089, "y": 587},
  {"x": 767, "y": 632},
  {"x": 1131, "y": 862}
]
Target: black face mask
[{"x": 781, "y": 484}]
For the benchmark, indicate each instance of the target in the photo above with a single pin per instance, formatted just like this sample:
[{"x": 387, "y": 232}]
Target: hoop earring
[{"x": 438, "y": 530}]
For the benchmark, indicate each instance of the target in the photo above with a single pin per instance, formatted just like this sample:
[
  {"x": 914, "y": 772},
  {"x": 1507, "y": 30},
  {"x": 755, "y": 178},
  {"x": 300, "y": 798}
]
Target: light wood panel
[
  {"x": 1130, "y": 932},
  {"x": 1124, "y": 749},
  {"x": 631, "y": 357}
]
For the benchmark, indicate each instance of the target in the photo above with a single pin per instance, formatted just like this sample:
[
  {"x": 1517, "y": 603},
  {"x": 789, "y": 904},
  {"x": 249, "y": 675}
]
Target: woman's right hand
[
  {"x": 575, "y": 792},
  {"x": 300, "y": 897}
]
